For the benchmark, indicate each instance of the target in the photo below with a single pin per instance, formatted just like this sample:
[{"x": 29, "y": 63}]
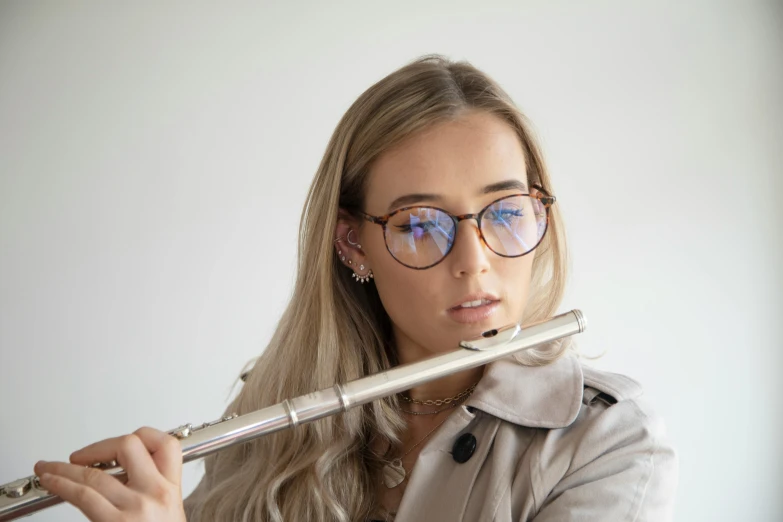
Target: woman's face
[{"x": 451, "y": 165}]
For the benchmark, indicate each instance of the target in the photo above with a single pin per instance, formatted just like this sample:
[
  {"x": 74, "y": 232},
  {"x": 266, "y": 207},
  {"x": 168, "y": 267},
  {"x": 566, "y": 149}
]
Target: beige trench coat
[{"x": 563, "y": 442}]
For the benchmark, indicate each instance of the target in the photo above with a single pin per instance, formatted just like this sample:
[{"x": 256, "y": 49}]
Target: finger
[
  {"x": 130, "y": 453},
  {"x": 144, "y": 448},
  {"x": 94, "y": 505},
  {"x": 106, "y": 485},
  {"x": 166, "y": 452}
]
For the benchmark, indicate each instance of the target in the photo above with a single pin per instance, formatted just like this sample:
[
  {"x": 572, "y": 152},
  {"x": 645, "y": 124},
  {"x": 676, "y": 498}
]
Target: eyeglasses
[{"x": 421, "y": 237}]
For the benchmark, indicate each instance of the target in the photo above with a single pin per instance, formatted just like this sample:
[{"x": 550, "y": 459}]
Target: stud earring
[
  {"x": 359, "y": 278},
  {"x": 340, "y": 252}
]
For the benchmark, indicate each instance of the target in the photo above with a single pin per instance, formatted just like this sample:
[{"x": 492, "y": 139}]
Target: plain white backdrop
[{"x": 154, "y": 159}]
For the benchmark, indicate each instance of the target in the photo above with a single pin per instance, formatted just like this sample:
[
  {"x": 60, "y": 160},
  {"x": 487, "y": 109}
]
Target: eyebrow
[{"x": 409, "y": 199}]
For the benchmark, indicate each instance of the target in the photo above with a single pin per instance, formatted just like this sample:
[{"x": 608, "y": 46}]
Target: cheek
[
  {"x": 398, "y": 286},
  {"x": 403, "y": 291},
  {"x": 516, "y": 279},
  {"x": 412, "y": 302},
  {"x": 410, "y": 298}
]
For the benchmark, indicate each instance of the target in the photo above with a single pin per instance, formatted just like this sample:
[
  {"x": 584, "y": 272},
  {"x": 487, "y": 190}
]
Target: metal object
[{"x": 26, "y": 496}]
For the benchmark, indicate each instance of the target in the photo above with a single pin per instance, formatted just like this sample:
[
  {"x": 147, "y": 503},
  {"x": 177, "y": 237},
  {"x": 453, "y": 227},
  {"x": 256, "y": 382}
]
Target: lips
[
  {"x": 474, "y": 314},
  {"x": 473, "y": 297}
]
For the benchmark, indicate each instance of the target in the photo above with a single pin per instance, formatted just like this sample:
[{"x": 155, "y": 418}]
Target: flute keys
[
  {"x": 17, "y": 488},
  {"x": 105, "y": 465},
  {"x": 186, "y": 430},
  {"x": 182, "y": 432}
]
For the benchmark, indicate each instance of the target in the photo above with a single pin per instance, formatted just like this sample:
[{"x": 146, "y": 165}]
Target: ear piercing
[
  {"x": 365, "y": 278},
  {"x": 348, "y": 237},
  {"x": 359, "y": 278}
]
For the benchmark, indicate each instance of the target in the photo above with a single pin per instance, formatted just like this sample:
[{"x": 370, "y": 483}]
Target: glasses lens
[
  {"x": 514, "y": 226},
  {"x": 420, "y": 237}
]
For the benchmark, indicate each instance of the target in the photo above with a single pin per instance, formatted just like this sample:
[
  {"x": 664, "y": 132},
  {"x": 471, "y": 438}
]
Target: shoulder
[
  {"x": 607, "y": 386},
  {"x": 556, "y": 395},
  {"x": 615, "y": 405},
  {"x": 609, "y": 420},
  {"x": 621, "y": 432},
  {"x": 616, "y": 453}
]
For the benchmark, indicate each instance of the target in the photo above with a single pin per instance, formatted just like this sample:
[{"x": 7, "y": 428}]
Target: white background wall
[{"x": 154, "y": 161}]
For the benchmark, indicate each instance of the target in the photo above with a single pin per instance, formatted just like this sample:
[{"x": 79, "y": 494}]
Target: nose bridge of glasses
[
  {"x": 477, "y": 218},
  {"x": 463, "y": 217}
]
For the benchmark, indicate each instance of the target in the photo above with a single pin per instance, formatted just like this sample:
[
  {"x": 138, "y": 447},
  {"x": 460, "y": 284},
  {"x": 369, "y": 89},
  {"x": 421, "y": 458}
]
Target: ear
[{"x": 349, "y": 250}]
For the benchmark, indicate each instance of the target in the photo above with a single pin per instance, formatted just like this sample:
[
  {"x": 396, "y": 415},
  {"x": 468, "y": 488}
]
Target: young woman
[{"x": 431, "y": 219}]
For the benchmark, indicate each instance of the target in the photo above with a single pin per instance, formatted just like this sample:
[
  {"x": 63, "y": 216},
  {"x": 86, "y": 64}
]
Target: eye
[
  {"x": 505, "y": 214},
  {"x": 418, "y": 229}
]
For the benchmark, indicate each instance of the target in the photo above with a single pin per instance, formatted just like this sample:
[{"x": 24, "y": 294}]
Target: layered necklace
[{"x": 393, "y": 471}]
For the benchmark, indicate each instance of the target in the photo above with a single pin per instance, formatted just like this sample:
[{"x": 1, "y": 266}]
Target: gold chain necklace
[
  {"x": 393, "y": 472},
  {"x": 430, "y": 412},
  {"x": 441, "y": 402},
  {"x": 447, "y": 407}
]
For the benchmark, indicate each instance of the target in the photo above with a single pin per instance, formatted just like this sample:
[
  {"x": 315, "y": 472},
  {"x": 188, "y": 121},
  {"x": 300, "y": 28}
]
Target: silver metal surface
[{"x": 25, "y": 496}]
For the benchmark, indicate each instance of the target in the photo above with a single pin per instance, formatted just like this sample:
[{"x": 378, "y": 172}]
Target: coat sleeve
[{"x": 622, "y": 468}]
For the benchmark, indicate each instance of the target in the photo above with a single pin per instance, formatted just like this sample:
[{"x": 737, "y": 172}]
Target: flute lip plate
[{"x": 492, "y": 338}]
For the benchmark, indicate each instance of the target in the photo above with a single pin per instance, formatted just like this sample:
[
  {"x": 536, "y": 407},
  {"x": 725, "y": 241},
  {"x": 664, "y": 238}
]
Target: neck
[{"x": 447, "y": 386}]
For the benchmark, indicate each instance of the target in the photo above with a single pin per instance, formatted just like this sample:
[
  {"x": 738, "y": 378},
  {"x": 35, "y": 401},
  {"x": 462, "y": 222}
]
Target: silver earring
[
  {"x": 359, "y": 278},
  {"x": 340, "y": 252},
  {"x": 363, "y": 278},
  {"x": 348, "y": 237}
]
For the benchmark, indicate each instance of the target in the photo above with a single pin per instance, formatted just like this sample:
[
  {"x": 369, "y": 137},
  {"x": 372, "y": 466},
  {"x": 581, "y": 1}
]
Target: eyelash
[
  {"x": 429, "y": 224},
  {"x": 515, "y": 212}
]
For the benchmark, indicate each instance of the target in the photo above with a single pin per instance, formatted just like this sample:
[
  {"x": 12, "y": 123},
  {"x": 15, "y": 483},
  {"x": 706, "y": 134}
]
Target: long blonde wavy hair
[{"x": 334, "y": 330}]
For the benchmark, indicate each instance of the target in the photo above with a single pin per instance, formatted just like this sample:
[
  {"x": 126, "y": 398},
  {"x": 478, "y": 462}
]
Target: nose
[{"x": 469, "y": 255}]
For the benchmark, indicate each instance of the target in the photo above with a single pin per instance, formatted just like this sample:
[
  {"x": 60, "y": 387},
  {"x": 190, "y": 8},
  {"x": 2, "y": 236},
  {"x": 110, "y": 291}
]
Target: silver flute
[{"x": 26, "y": 496}]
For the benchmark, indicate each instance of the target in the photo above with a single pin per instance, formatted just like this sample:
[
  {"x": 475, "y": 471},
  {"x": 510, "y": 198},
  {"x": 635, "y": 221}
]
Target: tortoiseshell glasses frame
[{"x": 546, "y": 199}]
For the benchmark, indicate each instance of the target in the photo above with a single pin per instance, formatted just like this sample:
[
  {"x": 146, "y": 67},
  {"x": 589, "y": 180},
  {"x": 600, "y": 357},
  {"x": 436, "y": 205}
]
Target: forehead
[{"x": 454, "y": 160}]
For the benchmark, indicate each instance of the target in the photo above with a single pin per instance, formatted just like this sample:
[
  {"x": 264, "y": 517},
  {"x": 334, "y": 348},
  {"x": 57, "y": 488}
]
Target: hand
[{"x": 152, "y": 460}]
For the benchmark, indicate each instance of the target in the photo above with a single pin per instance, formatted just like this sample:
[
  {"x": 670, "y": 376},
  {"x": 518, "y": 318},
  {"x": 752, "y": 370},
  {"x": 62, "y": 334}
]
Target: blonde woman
[{"x": 431, "y": 218}]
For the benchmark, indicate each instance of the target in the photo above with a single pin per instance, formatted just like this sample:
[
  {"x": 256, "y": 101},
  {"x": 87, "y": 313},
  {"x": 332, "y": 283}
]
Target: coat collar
[{"x": 535, "y": 396}]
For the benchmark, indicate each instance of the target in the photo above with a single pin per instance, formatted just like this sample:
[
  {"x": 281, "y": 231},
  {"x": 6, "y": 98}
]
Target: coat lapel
[
  {"x": 534, "y": 396},
  {"x": 455, "y": 481},
  {"x": 539, "y": 397}
]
